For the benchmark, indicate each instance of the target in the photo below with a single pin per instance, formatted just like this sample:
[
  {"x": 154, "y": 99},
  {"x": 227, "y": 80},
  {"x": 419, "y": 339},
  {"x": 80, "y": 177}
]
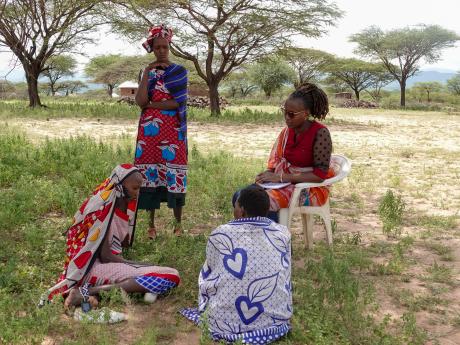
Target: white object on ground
[
  {"x": 150, "y": 297},
  {"x": 103, "y": 315}
]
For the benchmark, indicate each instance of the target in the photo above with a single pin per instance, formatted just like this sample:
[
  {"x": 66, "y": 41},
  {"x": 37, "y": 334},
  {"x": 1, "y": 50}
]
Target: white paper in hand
[{"x": 274, "y": 185}]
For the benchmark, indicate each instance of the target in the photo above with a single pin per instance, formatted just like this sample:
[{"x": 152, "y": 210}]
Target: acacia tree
[
  {"x": 453, "y": 84},
  {"x": 401, "y": 50},
  {"x": 271, "y": 73},
  {"x": 240, "y": 82},
  {"x": 335, "y": 85},
  {"x": 57, "y": 67},
  {"x": 104, "y": 69},
  {"x": 358, "y": 75},
  {"x": 428, "y": 87},
  {"x": 381, "y": 79},
  {"x": 72, "y": 86},
  {"x": 36, "y": 30},
  {"x": 220, "y": 35},
  {"x": 309, "y": 64}
]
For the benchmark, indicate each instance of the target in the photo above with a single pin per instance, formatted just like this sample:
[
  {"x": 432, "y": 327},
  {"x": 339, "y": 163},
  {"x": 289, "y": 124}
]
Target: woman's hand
[
  {"x": 268, "y": 176},
  {"x": 156, "y": 64}
]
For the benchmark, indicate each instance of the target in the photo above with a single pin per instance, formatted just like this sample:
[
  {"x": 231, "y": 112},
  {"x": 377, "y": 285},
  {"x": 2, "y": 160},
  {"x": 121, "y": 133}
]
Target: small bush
[{"x": 391, "y": 210}]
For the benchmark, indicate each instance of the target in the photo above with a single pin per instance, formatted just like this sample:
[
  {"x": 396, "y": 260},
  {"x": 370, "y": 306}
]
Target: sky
[{"x": 358, "y": 14}]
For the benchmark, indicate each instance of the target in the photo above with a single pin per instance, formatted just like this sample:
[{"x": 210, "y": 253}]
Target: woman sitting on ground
[
  {"x": 302, "y": 152},
  {"x": 245, "y": 292},
  {"x": 102, "y": 227}
]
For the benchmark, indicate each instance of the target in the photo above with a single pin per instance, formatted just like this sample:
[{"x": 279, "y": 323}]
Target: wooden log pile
[
  {"x": 193, "y": 101},
  {"x": 203, "y": 102},
  {"x": 127, "y": 100},
  {"x": 353, "y": 103}
]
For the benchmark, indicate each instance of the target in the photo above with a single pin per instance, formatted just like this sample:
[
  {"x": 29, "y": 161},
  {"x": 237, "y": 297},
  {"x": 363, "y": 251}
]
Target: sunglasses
[{"x": 290, "y": 114}]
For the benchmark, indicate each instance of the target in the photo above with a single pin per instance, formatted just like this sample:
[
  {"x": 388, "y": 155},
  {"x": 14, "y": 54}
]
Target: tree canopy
[
  {"x": 57, "y": 67},
  {"x": 218, "y": 36},
  {"x": 358, "y": 75},
  {"x": 36, "y": 30},
  {"x": 271, "y": 73},
  {"x": 113, "y": 69},
  {"x": 428, "y": 87},
  {"x": 402, "y": 50},
  {"x": 453, "y": 84},
  {"x": 309, "y": 64}
]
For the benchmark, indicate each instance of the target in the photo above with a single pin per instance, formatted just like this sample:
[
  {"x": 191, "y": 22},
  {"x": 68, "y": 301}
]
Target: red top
[{"x": 300, "y": 151}]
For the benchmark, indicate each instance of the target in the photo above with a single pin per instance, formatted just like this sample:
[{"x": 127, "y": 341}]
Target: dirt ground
[{"x": 414, "y": 153}]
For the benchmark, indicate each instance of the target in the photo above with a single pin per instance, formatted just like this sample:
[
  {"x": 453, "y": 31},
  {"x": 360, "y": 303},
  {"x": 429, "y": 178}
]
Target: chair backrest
[{"x": 341, "y": 166}]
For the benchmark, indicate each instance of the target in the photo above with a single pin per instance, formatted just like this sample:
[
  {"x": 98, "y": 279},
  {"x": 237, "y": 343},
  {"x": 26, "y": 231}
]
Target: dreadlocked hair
[{"x": 314, "y": 99}]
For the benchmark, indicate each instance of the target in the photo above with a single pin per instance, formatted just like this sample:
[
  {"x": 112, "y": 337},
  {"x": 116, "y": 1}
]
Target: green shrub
[{"x": 391, "y": 210}]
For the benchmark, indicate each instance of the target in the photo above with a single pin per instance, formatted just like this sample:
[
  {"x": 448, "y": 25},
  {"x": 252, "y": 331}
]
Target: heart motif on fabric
[
  {"x": 248, "y": 311},
  {"x": 235, "y": 263}
]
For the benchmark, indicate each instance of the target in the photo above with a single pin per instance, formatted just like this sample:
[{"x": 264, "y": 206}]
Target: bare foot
[
  {"x": 75, "y": 298},
  {"x": 178, "y": 231},
  {"x": 152, "y": 233}
]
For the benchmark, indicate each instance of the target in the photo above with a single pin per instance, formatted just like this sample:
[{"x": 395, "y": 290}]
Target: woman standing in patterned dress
[{"x": 161, "y": 147}]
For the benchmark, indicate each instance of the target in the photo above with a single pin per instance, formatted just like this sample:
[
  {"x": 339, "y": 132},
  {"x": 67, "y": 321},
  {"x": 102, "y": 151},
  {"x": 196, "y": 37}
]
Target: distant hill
[
  {"x": 17, "y": 75},
  {"x": 423, "y": 76}
]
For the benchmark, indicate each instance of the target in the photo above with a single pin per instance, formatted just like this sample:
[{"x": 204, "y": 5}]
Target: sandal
[
  {"x": 84, "y": 291},
  {"x": 152, "y": 233},
  {"x": 178, "y": 231},
  {"x": 88, "y": 302}
]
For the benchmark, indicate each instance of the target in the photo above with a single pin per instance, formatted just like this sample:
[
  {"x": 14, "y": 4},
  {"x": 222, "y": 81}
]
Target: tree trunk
[
  {"x": 32, "y": 87},
  {"x": 110, "y": 90},
  {"x": 356, "y": 94},
  {"x": 429, "y": 100},
  {"x": 403, "y": 92},
  {"x": 214, "y": 99}
]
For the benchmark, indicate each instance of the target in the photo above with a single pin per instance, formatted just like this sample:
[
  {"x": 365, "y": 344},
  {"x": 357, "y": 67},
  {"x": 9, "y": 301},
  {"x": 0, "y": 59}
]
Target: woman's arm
[
  {"x": 142, "y": 97},
  {"x": 260, "y": 176},
  {"x": 169, "y": 104},
  {"x": 106, "y": 255},
  {"x": 270, "y": 176},
  {"x": 322, "y": 150}
]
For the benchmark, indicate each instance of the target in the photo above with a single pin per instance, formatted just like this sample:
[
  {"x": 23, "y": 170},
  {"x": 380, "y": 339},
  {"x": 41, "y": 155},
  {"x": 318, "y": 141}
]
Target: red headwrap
[{"x": 154, "y": 32}]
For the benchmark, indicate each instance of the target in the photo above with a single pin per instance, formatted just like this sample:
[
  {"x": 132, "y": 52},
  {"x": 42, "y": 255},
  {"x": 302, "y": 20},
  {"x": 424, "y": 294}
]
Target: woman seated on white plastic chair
[{"x": 302, "y": 152}]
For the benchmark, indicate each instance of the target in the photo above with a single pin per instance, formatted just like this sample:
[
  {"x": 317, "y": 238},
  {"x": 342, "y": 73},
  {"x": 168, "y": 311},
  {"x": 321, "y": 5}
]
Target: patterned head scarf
[
  {"x": 154, "y": 32},
  {"x": 90, "y": 226}
]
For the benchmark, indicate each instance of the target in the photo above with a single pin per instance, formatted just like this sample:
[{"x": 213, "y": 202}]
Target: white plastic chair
[{"x": 341, "y": 166}]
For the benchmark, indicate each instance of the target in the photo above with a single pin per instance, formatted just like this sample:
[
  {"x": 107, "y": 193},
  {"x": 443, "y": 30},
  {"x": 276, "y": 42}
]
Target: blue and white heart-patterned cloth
[{"x": 245, "y": 284}]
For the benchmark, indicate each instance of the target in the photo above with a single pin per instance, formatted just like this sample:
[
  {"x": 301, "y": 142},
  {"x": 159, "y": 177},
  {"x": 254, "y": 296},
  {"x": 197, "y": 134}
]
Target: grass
[
  {"x": 58, "y": 109},
  {"x": 336, "y": 292},
  {"x": 440, "y": 249},
  {"x": 439, "y": 274},
  {"x": 435, "y": 222},
  {"x": 41, "y": 189},
  {"x": 417, "y": 302}
]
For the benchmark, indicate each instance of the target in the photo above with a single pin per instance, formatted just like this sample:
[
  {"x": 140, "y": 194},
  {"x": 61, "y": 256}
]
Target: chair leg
[
  {"x": 283, "y": 217},
  {"x": 307, "y": 224},
  {"x": 326, "y": 215}
]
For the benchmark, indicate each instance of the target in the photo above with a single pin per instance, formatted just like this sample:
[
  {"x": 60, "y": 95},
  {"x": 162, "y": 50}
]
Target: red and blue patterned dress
[{"x": 161, "y": 147}]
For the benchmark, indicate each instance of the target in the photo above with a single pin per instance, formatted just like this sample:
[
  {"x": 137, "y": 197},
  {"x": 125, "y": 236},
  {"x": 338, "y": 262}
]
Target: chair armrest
[{"x": 311, "y": 184}]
